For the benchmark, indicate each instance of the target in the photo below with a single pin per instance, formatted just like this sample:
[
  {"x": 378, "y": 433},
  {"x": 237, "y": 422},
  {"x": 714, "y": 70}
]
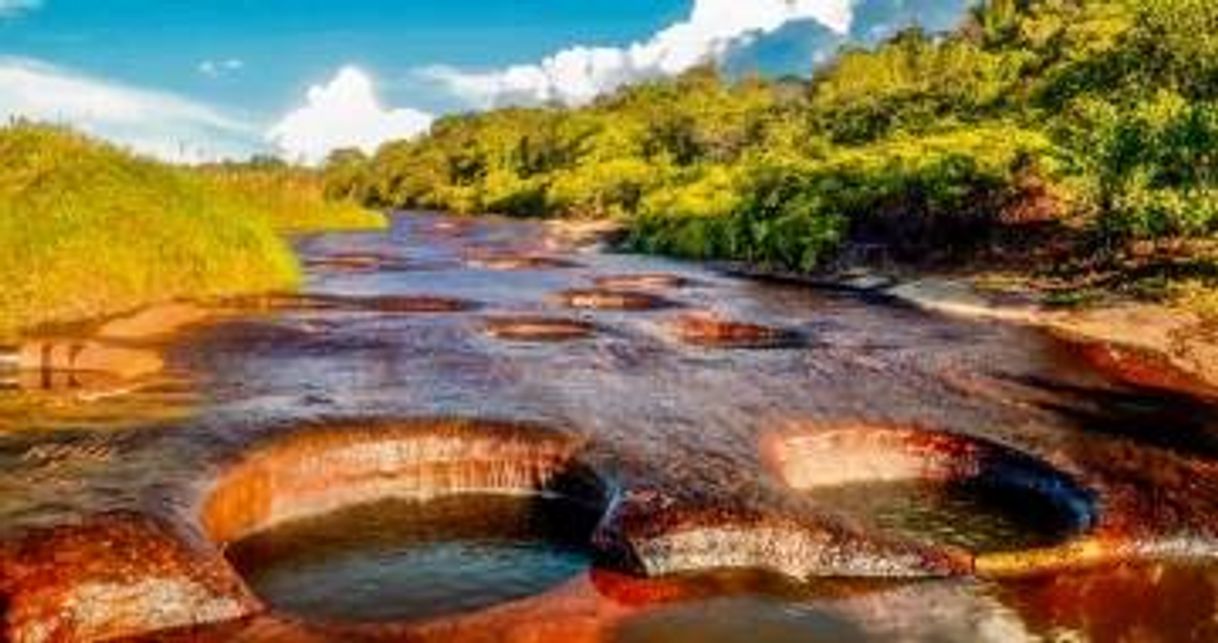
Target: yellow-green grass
[
  {"x": 88, "y": 230},
  {"x": 294, "y": 199}
]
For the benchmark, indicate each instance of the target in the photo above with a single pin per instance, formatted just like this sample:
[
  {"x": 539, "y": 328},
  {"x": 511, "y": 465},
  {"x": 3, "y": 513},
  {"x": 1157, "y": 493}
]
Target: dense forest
[{"x": 1085, "y": 129}]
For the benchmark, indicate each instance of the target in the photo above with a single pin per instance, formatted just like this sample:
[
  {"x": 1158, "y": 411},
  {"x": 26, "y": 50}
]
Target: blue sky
[{"x": 195, "y": 79}]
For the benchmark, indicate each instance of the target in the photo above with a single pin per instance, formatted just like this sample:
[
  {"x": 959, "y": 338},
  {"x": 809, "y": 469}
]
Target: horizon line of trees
[{"x": 1096, "y": 120}]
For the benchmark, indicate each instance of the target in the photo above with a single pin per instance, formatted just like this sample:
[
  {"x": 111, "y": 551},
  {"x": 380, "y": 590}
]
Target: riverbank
[
  {"x": 1150, "y": 344},
  {"x": 89, "y": 231},
  {"x": 1155, "y": 344}
]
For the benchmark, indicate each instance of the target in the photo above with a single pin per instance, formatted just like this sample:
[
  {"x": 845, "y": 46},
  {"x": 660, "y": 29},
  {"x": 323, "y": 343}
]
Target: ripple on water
[
  {"x": 967, "y": 515},
  {"x": 403, "y": 560},
  {"x": 732, "y": 620}
]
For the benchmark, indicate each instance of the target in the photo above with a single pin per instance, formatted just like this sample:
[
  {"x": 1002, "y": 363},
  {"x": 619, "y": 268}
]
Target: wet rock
[
  {"x": 1144, "y": 368},
  {"x": 641, "y": 281},
  {"x": 403, "y": 304},
  {"x": 520, "y": 262},
  {"x": 114, "y": 576},
  {"x": 713, "y": 331},
  {"x": 538, "y": 329},
  {"x": 322, "y": 470},
  {"x": 43, "y": 360},
  {"x": 605, "y": 299},
  {"x": 655, "y": 535},
  {"x": 154, "y": 322},
  {"x": 357, "y": 262}
]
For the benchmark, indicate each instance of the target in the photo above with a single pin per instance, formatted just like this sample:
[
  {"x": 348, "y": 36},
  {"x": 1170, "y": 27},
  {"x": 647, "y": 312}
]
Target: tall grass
[
  {"x": 293, "y": 199},
  {"x": 87, "y": 229}
]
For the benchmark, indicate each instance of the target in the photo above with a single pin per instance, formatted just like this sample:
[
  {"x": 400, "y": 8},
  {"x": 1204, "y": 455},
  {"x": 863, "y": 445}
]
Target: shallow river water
[{"x": 684, "y": 417}]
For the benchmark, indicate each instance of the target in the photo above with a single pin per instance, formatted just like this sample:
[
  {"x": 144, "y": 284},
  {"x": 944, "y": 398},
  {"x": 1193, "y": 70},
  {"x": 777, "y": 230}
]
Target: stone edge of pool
[{"x": 131, "y": 574}]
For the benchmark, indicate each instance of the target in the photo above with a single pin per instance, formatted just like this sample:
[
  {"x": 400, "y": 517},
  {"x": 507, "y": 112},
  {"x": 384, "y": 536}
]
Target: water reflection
[{"x": 664, "y": 414}]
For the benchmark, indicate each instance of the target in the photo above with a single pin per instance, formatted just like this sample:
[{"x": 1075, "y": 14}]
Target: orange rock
[
  {"x": 154, "y": 322},
  {"x": 643, "y": 281},
  {"x": 543, "y": 329},
  {"x": 65, "y": 356},
  {"x": 604, "y": 299},
  {"x": 710, "y": 330}
]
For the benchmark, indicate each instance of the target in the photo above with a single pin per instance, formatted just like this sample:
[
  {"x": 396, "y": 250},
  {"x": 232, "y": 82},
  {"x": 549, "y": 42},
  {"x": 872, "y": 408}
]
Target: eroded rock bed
[{"x": 630, "y": 483}]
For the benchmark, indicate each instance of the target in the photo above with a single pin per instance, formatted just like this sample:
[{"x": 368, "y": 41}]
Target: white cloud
[
  {"x": 152, "y": 122},
  {"x": 343, "y": 113},
  {"x": 218, "y": 68},
  {"x": 14, "y": 7},
  {"x": 579, "y": 74}
]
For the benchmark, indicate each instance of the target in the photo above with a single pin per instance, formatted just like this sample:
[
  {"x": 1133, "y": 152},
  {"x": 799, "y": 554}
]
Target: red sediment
[
  {"x": 114, "y": 576},
  {"x": 520, "y": 262},
  {"x": 1132, "y": 504},
  {"x": 604, "y": 299},
  {"x": 538, "y": 329},
  {"x": 643, "y": 281},
  {"x": 154, "y": 322},
  {"x": 402, "y": 304},
  {"x": 50, "y": 356},
  {"x": 654, "y": 535},
  {"x": 807, "y": 458},
  {"x": 1143, "y": 368},
  {"x": 321, "y": 471},
  {"x": 712, "y": 331}
]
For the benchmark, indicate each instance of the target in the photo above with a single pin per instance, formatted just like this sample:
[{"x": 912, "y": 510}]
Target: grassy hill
[{"x": 87, "y": 229}]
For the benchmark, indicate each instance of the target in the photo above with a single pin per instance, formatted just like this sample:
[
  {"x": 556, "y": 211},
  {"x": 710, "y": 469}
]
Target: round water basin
[{"x": 401, "y": 560}]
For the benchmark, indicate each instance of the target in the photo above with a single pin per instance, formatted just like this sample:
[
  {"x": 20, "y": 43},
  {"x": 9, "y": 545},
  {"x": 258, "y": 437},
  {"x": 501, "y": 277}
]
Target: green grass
[
  {"x": 293, "y": 199},
  {"x": 87, "y": 230}
]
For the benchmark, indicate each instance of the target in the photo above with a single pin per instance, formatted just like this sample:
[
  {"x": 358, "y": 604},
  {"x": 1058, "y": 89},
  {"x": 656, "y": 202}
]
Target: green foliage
[
  {"x": 911, "y": 84},
  {"x": 1097, "y": 116},
  {"x": 294, "y": 200},
  {"x": 87, "y": 229}
]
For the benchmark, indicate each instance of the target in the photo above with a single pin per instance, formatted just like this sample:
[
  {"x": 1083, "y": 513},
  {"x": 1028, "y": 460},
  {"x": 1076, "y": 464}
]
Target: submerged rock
[
  {"x": 605, "y": 299},
  {"x": 538, "y": 329},
  {"x": 711, "y": 330}
]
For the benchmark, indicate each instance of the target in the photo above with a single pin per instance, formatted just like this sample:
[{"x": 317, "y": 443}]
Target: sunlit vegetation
[
  {"x": 87, "y": 229},
  {"x": 1083, "y": 126},
  {"x": 293, "y": 198}
]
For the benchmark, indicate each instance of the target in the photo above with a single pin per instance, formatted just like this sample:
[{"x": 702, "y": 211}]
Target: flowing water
[{"x": 680, "y": 416}]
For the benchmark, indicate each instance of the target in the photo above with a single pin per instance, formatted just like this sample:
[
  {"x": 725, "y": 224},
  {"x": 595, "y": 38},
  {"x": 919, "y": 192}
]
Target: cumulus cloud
[
  {"x": 343, "y": 113},
  {"x": 218, "y": 68},
  {"x": 151, "y": 122},
  {"x": 579, "y": 74},
  {"x": 14, "y": 7}
]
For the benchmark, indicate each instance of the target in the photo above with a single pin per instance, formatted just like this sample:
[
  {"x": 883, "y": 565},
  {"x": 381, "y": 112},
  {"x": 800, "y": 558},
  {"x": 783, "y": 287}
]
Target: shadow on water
[
  {"x": 679, "y": 418},
  {"x": 1153, "y": 417},
  {"x": 399, "y": 560}
]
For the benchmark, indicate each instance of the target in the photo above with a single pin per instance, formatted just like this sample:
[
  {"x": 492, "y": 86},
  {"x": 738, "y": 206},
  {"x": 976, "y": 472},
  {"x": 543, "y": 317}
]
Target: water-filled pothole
[
  {"x": 538, "y": 329},
  {"x": 401, "y": 560},
  {"x": 971, "y": 516},
  {"x": 937, "y": 488},
  {"x": 606, "y": 299},
  {"x": 711, "y": 331}
]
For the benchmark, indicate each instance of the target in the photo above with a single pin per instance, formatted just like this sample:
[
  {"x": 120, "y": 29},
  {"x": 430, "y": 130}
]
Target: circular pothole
[
  {"x": 509, "y": 261},
  {"x": 935, "y": 488},
  {"x": 969, "y": 515},
  {"x": 390, "y": 520},
  {"x": 402, "y": 560},
  {"x": 643, "y": 281},
  {"x": 713, "y": 331},
  {"x": 538, "y": 329},
  {"x": 608, "y": 299}
]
